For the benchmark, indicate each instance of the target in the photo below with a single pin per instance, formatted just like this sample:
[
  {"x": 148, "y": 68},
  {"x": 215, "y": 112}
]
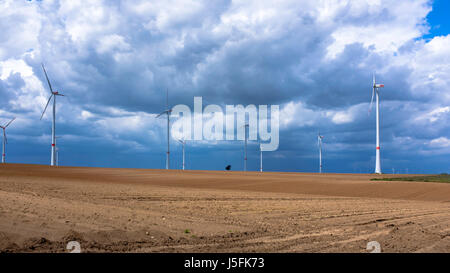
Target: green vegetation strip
[{"x": 441, "y": 178}]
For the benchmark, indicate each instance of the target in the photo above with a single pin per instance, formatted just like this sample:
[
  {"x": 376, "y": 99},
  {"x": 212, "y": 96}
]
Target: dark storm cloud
[
  {"x": 13, "y": 82},
  {"x": 115, "y": 61}
]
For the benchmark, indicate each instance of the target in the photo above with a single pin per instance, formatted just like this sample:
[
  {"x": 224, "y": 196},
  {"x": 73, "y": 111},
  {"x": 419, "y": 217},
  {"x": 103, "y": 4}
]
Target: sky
[{"x": 114, "y": 61}]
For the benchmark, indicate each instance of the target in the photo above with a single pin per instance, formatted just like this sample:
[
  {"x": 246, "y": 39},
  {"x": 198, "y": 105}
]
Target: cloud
[
  {"x": 441, "y": 142},
  {"x": 435, "y": 115},
  {"x": 111, "y": 43},
  {"x": 342, "y": 117},
  {"x": 114, "y": 60},
  {"x": 388, "y": 28},
  {"x": 298, "y": 115}
]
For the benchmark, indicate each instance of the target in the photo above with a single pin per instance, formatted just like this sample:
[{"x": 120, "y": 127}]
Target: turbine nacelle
[
  {"x": 164, "y": 112},
  {"x": 319, "y": 139},
  {"x": 53, "y": 93},
  {"x": 374, "y": 89},
  {"x": 319, "y": 136},
  {"x": 7, "y": 124}
]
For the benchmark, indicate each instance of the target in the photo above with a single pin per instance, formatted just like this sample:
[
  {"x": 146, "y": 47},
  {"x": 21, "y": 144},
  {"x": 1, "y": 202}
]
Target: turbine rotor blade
[
  {"x": 46, "y": 106},
  {"x": 4, "y": 135},
  {"x": 9, "y": 123},
  {"x": 48, "y": 81},
  {"x": 160, "y": 114},
  {"x": 371, "y": 101}
]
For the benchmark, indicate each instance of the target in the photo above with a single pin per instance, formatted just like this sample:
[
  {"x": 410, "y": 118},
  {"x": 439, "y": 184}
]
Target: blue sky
[
  {"x": 115, "y": 59},
  {"x": 438, "y": 19}
]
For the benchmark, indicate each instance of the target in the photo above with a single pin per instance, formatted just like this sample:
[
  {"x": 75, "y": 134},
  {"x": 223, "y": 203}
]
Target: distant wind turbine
[
  {"x": 167, "y": 112},
  {"x": 53, "y": 95},
  {"x": 5, "y": 140},
  {"x": 375, "y": 92},
  {"x": 245, "y": 147},
  {"x": 260, "y": 158},
  {"x": 319, "y": 143}
]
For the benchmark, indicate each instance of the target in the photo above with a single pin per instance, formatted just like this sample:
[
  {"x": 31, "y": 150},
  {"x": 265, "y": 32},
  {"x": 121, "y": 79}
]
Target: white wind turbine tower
[
  {"x": 167, "y": 111},
  {"x": 53, "y": 95},
  {"x": 183, "y": 142},
  {"x": 5, "y": 140},
  {"x": 375, "y": 92},
  {"x": 260, "y": 159},
  {"x": 319, "y": 143},
  {"x": 245, "y": 147}
]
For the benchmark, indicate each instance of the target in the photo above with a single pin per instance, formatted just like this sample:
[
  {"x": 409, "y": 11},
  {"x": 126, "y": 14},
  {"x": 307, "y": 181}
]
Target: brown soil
[{"x": 42, "y": 208}]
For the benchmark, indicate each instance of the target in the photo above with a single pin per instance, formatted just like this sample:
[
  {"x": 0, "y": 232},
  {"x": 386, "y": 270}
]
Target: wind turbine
[
  {"x": 375, "y": 91},
  {"x": 245, "y": 147},
  {"x": 319, "y": 143},
  {"x": 167, "y": 111},
  {"x": 183, "y": 142},
  {"x": 260, "y": 158},
  {"x": 5, "y": 140},
  {"x": 53, "y": 95}
]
